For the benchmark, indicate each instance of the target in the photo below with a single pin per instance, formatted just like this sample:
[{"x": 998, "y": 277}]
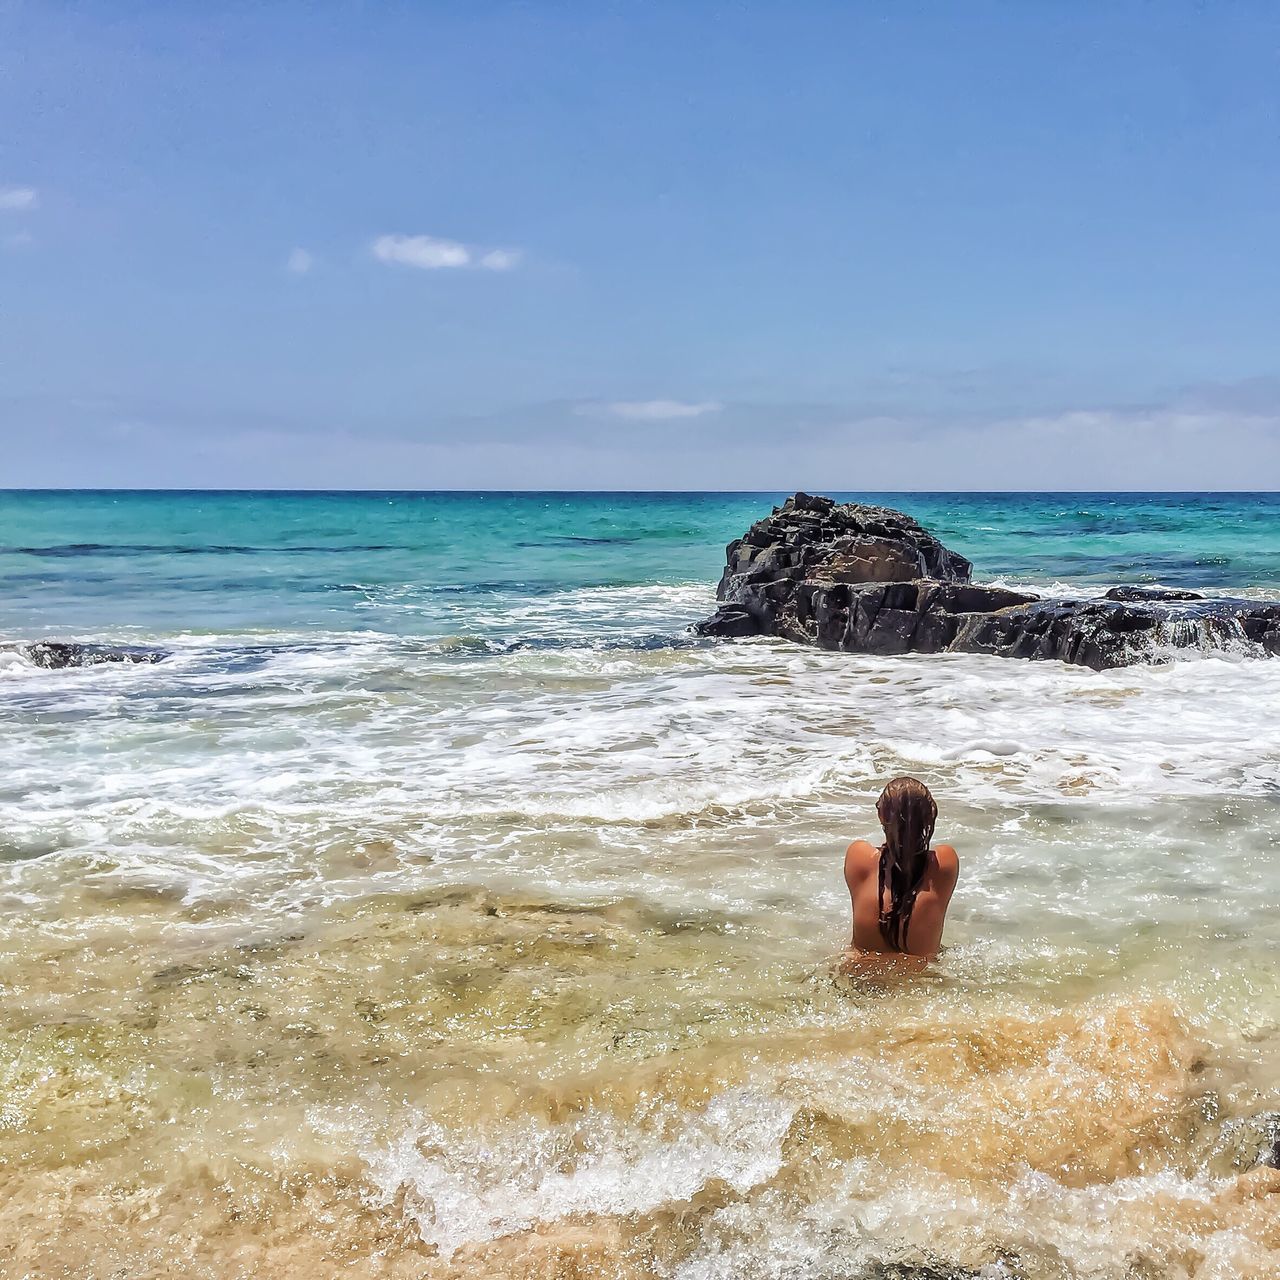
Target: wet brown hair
[{"x": 907, "y": 813}]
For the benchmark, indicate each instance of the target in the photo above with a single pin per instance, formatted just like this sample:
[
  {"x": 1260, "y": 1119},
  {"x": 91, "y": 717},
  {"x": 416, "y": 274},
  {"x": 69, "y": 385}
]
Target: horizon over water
[{"x": 439, "y": 905}]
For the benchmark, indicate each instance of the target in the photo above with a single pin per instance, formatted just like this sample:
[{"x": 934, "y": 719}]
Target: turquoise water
[
  {"x": 413, "y": 563},
  {"x": 436, "y": 834}
]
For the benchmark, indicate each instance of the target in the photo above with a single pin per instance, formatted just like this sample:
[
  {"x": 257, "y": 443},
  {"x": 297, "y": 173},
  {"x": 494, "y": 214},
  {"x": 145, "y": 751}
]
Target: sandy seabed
[{"x": 471, "y": 1083}]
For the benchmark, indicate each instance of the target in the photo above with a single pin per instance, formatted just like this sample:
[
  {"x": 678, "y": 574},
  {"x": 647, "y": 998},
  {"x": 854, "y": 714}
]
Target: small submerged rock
[
  {"x": 56, "y": 654},
  {"x": 1249, "y": 1142},
  {"x": 1140, "y": 594},
  {"x": 867, "y": 579}
]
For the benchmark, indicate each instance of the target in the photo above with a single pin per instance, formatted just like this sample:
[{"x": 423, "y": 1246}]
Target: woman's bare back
[{"x": 924, "y": 929}]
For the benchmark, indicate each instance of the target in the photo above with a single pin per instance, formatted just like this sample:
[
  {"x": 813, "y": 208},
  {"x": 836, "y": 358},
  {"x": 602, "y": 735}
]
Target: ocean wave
[
  {"x": 458, "y": 1192},
  {"x": 579, "y": 540},
  {"x": 844, "y": 1149}
]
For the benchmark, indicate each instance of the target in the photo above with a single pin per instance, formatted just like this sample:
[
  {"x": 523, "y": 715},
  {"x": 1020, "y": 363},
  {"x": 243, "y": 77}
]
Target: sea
[{"x": 438, "y": 905}]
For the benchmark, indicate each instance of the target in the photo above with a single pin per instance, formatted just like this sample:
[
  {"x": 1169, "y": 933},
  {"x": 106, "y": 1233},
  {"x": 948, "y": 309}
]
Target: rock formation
[
  {"x": 55, "y": 654},
  {"x": 867, "y": 579}
]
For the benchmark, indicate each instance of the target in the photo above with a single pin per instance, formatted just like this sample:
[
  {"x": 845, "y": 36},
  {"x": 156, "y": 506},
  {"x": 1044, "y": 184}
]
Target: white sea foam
[
  {"x": 468, "y": 1189},
  {"x": 510, "y": 1176},
  {"x": 251, "y": 759}
]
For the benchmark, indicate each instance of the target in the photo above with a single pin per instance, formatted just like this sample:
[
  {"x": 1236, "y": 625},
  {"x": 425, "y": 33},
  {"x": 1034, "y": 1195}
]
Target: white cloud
[
  {"x": 19, "y": 240},
  {"x": 500, "y": 259},
  {"x": 425, "y": 252},
  {"x": 299, "y": 262},
  {"x": 430, "y": 253},
  {"x": 654, "y": 410},
  {"x": 17, "y": 199}
]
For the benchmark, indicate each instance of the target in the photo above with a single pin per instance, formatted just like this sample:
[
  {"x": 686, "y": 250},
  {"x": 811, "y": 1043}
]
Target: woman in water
[{"x": 900, "y": 891}]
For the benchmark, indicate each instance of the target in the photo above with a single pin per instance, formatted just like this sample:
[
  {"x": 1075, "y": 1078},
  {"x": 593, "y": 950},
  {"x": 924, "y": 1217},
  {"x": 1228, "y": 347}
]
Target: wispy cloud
[
  {"x": 19, "y": 240},
  {"x": 18, "y": 199},
  {"x": 500, "y": 259},
  {"x": 299, "y": 262},
  {"x": 430, "y": 253},
  {"x": 651, "y": 410},
  {"x": 1173, "y": 442},
  {"x": 424, "y": 252}
]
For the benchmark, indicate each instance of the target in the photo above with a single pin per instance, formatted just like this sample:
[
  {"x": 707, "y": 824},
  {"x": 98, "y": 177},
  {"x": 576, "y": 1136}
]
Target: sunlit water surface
[{"x": 440, "y": 907}]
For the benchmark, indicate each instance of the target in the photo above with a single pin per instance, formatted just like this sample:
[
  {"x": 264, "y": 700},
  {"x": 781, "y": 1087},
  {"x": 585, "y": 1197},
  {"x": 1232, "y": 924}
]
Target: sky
[{"x": 847, "y": 246}]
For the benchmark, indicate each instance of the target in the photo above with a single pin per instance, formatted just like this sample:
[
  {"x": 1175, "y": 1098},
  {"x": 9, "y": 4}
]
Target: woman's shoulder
[
  {"x": 859, "y": 858},
  {"x": 947, "y": 861}
]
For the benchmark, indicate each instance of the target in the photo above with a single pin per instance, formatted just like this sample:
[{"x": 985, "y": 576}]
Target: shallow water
[{"x": 440, "y": 907}]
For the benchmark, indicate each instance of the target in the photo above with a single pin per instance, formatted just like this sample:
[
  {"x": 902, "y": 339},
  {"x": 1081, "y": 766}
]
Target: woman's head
[{"x": 907, "y": 813}]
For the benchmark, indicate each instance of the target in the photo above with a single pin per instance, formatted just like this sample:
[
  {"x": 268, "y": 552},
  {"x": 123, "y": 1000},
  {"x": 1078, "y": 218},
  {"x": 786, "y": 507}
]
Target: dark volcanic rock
[
  {"x": 54, "y": 654},
  {"x": 870, "y": 580},
  {"x": 1139, "y": 594}
]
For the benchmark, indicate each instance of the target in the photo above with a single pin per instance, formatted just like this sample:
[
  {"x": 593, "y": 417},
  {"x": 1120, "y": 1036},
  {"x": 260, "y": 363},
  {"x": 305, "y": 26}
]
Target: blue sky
[{"x": 696, "y": 245}]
